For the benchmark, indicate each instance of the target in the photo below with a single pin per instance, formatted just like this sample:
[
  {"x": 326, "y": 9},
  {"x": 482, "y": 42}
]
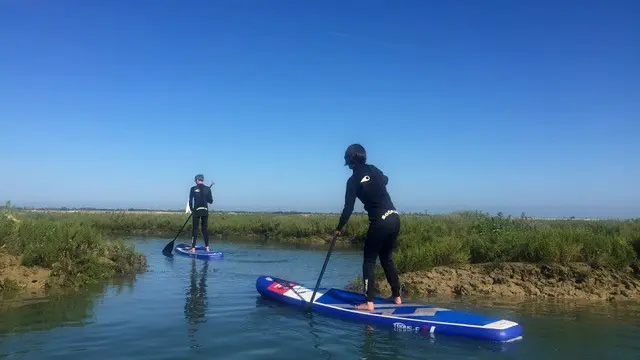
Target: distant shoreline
[{"x": 90, "y": 210}]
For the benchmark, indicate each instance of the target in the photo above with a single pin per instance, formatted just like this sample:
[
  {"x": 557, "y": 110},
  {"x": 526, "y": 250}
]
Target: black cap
[{"x": 355, "y": 155}]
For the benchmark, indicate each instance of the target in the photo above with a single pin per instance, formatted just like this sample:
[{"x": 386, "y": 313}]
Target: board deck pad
[
  {"x": 200, "y": 253},
  {"x": 418, "y": 318}
]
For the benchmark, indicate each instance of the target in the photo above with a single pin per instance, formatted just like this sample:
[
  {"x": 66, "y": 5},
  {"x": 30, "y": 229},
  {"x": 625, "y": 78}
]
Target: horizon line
[{"x": 293, "y": 212}]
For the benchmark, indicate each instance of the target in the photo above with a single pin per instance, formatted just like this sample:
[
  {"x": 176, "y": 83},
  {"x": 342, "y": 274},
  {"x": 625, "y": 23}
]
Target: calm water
[{"x": 183, "y": 308}]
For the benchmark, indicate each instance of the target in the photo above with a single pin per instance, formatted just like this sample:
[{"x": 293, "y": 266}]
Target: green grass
[
  {"x": 77, "y": 253},
  {"x": 280, "y": 228},
  {"x": 479, "y": 238},
  {"x": 425, "y": 241}
]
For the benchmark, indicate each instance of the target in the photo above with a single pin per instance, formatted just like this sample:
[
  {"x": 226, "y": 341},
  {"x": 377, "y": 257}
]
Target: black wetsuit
[
  {"x": 368, "y": 184},
  {"x": 199, "y": 196}
]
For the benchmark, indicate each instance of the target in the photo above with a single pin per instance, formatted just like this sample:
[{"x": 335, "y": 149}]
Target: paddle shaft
[
  {"x": 183, "y": 225},
  {"x": 167, "y": 249},
  {"x": 324, "y": 267}
]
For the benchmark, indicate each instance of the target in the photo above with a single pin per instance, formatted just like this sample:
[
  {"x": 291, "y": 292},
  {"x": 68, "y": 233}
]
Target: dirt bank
[
  {"x": 14, "y": 276},
  {"x": 519, "y": 281}
]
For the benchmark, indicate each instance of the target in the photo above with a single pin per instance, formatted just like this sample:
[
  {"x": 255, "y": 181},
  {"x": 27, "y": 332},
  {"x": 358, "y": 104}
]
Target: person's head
[
  {"x": 199, "y": 179},
  {"x": 355, "y": 155}
]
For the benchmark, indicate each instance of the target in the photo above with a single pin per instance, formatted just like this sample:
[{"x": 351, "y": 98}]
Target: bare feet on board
[{"x": 366, "y": 306}]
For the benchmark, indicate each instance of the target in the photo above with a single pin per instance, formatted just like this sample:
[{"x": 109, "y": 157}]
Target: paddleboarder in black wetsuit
[
  {"x": 199, "y": 196},
  {"x": 368, "y": 184}
]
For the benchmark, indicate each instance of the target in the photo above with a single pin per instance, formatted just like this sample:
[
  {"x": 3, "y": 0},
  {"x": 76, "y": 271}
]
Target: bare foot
[
  {"x": 397, "y": 300},
  {"x": 193, "y": 250},
  {"x": 207, "y": 248},
  {"x": 365, "y": 306}
]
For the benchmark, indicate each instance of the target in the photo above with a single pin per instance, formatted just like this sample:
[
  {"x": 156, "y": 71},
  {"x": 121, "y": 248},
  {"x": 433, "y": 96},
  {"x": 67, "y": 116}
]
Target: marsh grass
[
  {"x": 78, "y": 253},
  {"x": 425, "y": 240}
]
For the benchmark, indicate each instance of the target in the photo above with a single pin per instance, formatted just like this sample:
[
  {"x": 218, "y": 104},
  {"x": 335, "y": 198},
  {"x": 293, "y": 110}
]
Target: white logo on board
[{"x": 405, "y": 328}]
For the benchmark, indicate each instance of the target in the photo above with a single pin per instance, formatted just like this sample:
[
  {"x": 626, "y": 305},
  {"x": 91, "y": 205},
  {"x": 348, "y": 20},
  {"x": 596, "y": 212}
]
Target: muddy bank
[
  {"x": 17, "y": 278},
  {"x": 519, "y": 281}
]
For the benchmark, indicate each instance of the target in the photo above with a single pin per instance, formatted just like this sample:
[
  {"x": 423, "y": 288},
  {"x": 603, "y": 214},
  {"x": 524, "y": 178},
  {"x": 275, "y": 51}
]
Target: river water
[{"x": 184, "y": 308}]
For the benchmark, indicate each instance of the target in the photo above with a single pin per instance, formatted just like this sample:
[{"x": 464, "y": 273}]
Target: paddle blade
[{"x": 168, "y": 249}]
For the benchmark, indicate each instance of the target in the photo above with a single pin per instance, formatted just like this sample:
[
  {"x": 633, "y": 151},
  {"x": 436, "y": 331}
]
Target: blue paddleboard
[
  {"x": 414, "y": 318},
  {"x": 200, "y": 253}
]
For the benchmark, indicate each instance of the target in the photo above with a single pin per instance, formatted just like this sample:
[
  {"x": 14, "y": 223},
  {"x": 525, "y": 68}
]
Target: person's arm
[
  {"x": 385, "y": 179},
  {"x": 192, "y": 194},
  {"x": 349, "y": 202},
  {"x": 210, "y": 196}
]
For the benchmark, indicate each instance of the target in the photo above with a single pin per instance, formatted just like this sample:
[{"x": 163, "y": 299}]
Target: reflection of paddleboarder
[
  {"x": 199, "y": 196},
  {"x": 195, "y": 306}
]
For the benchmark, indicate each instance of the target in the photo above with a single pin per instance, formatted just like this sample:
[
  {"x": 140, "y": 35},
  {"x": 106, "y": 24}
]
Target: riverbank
[
  {"x": 14, "y": 276},
  {"x": 39, "y": 255},
  {"x": 456, "y": 246},
  {"x": 515, "y": 282}
]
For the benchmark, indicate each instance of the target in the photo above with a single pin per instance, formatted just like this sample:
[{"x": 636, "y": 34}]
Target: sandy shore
[
  {"x": 13, "y": 276},
  {"x": 519, "y": 281}
]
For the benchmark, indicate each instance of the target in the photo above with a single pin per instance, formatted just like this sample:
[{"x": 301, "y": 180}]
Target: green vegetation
[
  {"x": 81, "y": 248},
  {"x": 276, "y": 227},
  {"x": 77, "y": 253},
  {"x": 425, "y": 240},
  {"x": 479, "y": 238},
  {"x": 8, "y": 285}
]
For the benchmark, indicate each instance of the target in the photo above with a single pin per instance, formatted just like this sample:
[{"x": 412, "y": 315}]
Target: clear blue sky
[{"x": 492, "y": 105}]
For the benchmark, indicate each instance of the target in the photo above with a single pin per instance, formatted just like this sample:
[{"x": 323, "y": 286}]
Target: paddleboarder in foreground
[
  {"x": 368, "y": 184},
  {"x": 199, "y": 196}
]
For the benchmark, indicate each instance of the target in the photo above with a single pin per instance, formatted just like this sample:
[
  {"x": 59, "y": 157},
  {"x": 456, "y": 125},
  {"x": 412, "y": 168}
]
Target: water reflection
[
  {"x": 66, "y": 309},
  {"x": 315, "y": 334},
  {"x": 195, "y": 307},
  {"x": 378, "y": 346}
]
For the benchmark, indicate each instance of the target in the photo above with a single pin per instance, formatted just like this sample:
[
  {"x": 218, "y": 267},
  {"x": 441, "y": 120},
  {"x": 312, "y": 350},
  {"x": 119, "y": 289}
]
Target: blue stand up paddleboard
[
  {"x": 200, "y": 253},
  {"x": 414, "y": 318}
]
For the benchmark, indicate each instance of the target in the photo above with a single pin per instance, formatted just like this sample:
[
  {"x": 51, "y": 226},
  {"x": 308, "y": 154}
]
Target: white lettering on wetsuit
[{"x": 388, "y": 213}]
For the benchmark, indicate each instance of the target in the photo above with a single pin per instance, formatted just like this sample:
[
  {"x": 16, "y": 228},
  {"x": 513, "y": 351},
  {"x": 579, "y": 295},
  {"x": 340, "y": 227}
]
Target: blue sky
[{"x": 492, "y": 105}]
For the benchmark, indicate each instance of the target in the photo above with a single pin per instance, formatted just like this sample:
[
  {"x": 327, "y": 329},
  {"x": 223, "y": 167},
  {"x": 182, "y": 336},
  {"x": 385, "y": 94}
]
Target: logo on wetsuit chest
[
  {"x": 197, "y": 190},
  {"x": 365, "y": 179}
]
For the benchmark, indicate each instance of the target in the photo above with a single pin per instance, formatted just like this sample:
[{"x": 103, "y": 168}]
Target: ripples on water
[{"x": 185, "y": 308}]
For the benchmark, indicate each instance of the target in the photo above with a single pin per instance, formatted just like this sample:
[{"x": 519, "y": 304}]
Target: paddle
[
  {"x": 326, "y": 260},
  {"x": 169, "y": 247}
]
